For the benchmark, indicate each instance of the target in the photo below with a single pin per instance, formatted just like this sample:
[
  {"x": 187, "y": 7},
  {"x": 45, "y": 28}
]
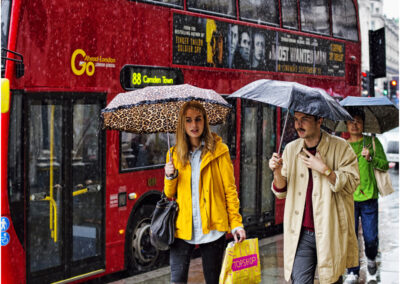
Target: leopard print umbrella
[{"x": 156, "y": 109}]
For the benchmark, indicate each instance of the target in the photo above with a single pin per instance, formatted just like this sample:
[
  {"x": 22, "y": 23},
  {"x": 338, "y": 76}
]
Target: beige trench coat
[{"x": 333, "y": 206}]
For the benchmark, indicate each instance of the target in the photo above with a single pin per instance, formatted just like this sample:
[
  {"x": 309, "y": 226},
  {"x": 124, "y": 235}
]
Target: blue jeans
[
  {"x": 368, "y": 212},
  {"x": 212, "y": 256},
  {"x": 305, "y": 261}
]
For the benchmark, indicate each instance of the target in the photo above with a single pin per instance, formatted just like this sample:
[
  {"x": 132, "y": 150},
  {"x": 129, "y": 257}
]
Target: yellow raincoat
[{"x": 219, "y": 202}]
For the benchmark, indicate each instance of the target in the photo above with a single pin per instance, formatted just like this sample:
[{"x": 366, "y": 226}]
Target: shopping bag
[
  {"x": 382, "y": 178},
  {"x": 241, "y": 263},
  {"x": 383, "y": 182}
]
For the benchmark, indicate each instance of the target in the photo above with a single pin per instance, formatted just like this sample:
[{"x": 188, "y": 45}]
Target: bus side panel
[
  {"x": 12, "y": 253},
  {"x": 114, "y": 241},
  {"x": 138, "y": 182},
  {"x": 12, "y": 258}
]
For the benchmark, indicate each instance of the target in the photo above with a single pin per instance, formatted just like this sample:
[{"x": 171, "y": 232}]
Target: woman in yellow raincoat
[{"x": 200, "y": 176}]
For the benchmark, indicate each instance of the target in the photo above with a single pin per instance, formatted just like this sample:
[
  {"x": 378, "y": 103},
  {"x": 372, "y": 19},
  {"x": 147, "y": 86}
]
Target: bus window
[
  {"x": 44, "y": 177},
  {"x": 143, "y": 150},
  {"x": 248, "y": 178},
  {"x": 227, "y": 131},
  {"x": 268, "y": 146},
  {"x": 289, "y": 14},
  {"x": 86, "y": 173},
  {"x": 344, "y": 19},
  {"x": 260, "y": 10},
  {"x": 16, "y": 166},
  {"x": 167, "y": 2},
  {"x": 290, "y": 132},
  {"x": 314, "y": 16},
  {"x": 226, "y": 7}
]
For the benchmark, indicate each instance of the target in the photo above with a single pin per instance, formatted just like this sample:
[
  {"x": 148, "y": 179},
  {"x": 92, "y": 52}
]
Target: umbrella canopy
[
  {"x": 156, "y": 109},
  {"x": 295, "y": 97},
  {"x": 381, "y": 114}
]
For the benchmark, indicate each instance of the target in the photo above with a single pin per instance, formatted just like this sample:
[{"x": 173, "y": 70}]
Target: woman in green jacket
[
  {"x": 200, "y": 176},
  {"x": 366, "y": 194}
]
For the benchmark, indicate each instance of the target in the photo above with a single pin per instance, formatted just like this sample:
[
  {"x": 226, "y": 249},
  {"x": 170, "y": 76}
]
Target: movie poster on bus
[
  {"x": 307, "y": 55},
  {"x": 207, "y": 42},
  {"x": 189, "y": 40}
]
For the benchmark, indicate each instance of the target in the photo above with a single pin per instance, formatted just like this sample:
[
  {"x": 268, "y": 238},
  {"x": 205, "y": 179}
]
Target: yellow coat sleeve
[{"x": 231, "y": 196}]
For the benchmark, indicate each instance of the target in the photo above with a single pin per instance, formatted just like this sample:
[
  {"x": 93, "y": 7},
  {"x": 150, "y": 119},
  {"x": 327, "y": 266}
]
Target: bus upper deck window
[
  {"x": 226, "y": 7},
  {"x": 344, "y": 19},
  {"x": 173, "y": 3},
  {"x": 289, "y": 14},
  {"x": 314, "y": 16},
  {"x": 265, "y": 11}
]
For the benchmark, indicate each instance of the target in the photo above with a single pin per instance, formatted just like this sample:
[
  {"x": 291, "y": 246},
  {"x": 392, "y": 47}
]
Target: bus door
[
  {"x": 257, "y": 146},
  {"x": 65, "y": 186}
]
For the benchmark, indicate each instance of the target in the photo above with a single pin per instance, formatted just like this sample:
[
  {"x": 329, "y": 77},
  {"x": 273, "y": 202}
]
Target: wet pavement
[{"x": 271, "y": 252}]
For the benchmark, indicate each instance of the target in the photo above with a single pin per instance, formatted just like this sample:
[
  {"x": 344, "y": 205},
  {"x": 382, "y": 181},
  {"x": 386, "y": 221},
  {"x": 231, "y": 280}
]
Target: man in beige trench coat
[{"x": 317, "y": 174}]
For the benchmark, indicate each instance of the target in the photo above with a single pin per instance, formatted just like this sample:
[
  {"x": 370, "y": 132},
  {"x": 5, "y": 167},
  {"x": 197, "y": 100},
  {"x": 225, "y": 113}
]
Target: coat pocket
[{"x": 342, "y": 213}]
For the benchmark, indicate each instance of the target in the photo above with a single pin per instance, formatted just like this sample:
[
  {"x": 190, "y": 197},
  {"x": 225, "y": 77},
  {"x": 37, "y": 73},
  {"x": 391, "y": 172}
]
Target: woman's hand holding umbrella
[{"x": 170, "y": 168}]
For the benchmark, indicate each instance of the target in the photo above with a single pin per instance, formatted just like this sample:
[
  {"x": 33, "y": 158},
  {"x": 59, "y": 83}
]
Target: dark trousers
[
  {"x": 368, "y": 212},
  {"x": 211, "y": 254},
  {"x": 305, "y": 261}
]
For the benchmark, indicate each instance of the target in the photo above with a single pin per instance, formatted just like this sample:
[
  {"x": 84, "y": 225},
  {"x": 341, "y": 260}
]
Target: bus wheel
[{"x": 142, "y": 256}]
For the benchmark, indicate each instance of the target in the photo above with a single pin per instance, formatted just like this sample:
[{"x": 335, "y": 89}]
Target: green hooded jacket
[{"x": 367, "y": 188}]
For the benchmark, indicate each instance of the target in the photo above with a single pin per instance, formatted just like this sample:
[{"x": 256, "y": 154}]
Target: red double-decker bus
[{"x": 76, "y": 199}]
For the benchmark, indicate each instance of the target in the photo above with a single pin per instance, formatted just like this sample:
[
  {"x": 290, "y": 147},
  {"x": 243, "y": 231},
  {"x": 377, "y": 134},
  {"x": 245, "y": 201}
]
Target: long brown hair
[{"x": 182, "y": 139}]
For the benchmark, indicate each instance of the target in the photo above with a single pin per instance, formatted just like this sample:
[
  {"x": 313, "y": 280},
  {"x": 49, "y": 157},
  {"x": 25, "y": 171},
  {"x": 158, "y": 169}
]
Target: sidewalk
[
  {"x": 271, "y": 256},
  {"x": 271, "y": 252}
]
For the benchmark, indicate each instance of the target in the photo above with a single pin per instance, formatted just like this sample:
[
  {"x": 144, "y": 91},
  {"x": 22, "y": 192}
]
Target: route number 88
[{"x": 136, "y": 79}]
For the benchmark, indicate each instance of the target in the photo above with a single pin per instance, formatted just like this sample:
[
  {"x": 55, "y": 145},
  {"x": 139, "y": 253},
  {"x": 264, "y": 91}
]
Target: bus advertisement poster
[{"x": 207, "y": 42}]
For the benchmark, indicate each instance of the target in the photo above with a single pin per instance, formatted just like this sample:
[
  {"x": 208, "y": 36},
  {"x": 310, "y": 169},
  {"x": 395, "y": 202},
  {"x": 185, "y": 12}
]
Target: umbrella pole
[
  {"x": 169, "y": 147},
  {"x": 283, "y": 132}
]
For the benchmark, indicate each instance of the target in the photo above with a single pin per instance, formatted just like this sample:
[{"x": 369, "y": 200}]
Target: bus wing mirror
[{"x": 19, "y": 65}]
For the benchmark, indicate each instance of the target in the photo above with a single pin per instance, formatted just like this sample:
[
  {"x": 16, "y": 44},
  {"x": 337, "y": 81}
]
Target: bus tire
[{"x": 141, "y": 255}]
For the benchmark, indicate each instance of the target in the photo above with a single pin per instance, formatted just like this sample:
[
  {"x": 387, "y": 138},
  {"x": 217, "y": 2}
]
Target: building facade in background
[{"x": 372, "y": 18}]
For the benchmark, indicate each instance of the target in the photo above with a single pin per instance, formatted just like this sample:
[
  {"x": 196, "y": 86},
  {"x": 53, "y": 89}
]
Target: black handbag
[{"x": 162, "y": 227}]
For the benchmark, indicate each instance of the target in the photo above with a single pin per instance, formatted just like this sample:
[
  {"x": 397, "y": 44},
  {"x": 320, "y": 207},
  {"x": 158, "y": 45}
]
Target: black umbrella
[
  {"x": 381, "y": 114},
  {"x": 295, "y": 97}
]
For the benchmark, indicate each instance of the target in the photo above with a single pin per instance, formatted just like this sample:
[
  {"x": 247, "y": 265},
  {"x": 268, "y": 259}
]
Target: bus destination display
[{"x": 134, "y": 77}]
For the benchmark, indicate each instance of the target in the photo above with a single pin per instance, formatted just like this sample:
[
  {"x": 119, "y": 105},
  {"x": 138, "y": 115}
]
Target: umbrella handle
[
  {"x": 283, "y": 132},
  {"x": 169, "y": 147}
]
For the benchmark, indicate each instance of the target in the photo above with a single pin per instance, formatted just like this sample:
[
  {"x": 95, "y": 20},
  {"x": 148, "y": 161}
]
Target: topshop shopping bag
[{"x": 241, "y": 263}]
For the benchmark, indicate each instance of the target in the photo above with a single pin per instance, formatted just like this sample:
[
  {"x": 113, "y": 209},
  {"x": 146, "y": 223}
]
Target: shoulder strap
[{"x": 373, "y": 143}]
